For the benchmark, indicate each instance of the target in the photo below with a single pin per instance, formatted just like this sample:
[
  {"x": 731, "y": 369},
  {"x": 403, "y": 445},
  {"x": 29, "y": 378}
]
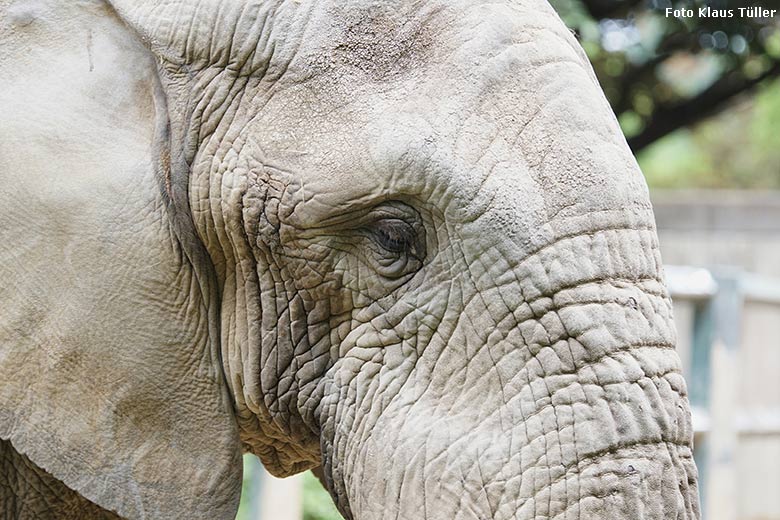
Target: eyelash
[
  {"x": 394, "y": 236},
  {"x": 398, "y": 244}
]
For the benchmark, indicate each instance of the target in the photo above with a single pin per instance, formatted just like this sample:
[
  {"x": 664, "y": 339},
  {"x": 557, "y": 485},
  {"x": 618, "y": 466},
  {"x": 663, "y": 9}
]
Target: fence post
[
  {"x": 699, "y": 387},
  {"x": 270, "y": 498},
  {"x": 282, "y": 499},
  {"x": 721, "y": 500}
]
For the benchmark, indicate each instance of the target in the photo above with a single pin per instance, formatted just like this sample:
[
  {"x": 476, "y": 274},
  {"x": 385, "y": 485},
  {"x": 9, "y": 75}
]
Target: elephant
[{"x": 402, "y": 243}]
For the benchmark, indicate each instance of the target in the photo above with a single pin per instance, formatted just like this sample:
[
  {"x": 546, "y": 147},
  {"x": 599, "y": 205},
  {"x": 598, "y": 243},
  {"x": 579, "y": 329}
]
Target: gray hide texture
[{"x": 401, "y": 240}]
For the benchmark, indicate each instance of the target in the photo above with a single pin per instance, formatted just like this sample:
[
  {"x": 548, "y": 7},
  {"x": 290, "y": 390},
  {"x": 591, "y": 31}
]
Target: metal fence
[{"x": 728, "y": 323}]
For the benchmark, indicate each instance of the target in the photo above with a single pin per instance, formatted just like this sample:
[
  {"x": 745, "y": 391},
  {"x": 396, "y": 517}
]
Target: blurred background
[{"x": 699, "y": 102}]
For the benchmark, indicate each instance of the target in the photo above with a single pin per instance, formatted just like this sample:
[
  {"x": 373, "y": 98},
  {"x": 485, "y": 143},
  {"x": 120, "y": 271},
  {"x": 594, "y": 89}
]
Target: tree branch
[
  {"x": 668, "y": 119},
  {"x": 609, "y": 8}
]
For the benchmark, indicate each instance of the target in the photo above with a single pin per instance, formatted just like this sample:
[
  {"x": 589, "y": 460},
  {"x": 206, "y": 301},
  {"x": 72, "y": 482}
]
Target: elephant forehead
[
  {"x": 499, "y": 115},
  {"x": 378, "y": 40},
  {"x": 375, "y": 38},
  {"x": 522, "y": 144}
]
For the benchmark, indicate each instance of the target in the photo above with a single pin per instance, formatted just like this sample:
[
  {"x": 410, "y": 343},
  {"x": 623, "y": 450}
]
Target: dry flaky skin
[{"x": 410, "y": 234}]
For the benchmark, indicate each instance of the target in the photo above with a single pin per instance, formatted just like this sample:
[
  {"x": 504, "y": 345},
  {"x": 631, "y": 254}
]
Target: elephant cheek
[{"x": 567, "y": 403}]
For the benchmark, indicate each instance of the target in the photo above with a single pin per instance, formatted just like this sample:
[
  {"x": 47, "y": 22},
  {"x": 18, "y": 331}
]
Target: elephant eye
[
  {"x": 395, "y": 236},
  {"x": 396, "y": 239}
]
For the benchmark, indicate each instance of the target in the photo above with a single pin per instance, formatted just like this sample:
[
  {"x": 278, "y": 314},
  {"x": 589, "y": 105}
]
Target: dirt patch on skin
[
  {"x": 379, "y": 46},
  {"x": 380, "y": 41}
]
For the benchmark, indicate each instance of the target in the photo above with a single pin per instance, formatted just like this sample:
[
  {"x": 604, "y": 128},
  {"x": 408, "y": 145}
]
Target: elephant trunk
[{"x": 554, "y": 391}]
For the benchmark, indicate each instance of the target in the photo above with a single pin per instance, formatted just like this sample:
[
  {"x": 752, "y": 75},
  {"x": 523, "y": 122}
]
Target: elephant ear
[{"x": 110, "y": 377}]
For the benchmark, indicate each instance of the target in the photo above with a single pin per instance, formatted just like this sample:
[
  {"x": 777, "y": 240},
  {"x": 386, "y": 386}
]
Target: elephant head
[{"x": 403, "y": 241}]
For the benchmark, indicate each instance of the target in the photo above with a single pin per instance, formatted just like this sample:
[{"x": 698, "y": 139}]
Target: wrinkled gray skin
[{"x": 402, "y": 240}]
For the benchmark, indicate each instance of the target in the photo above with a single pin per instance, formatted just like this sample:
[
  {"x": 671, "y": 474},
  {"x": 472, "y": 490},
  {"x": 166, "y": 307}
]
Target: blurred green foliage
[
  {"x": 662, "y": 73},
  {"x": 737, "y": 149},
  {"x": 317, "y": 504},
  {"x": 243, "y": 509}
]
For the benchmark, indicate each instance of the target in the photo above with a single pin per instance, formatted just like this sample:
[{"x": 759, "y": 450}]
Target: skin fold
[
  {"x": 27, "y": 492},
  {"x": 402, "y": 242}
]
